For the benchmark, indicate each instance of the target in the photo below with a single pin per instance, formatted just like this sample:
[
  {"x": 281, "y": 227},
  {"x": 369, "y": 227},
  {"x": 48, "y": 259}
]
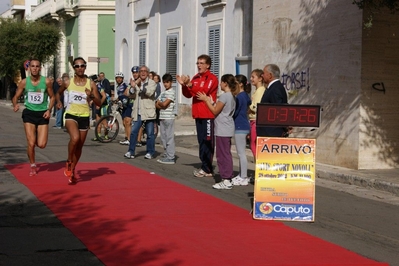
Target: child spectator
[
  {"x": 166, "y": 103},
  {"x": 242, "y": 129},
  {"x": 223, "y": 110},
  {"x": 257, "y": 81}
]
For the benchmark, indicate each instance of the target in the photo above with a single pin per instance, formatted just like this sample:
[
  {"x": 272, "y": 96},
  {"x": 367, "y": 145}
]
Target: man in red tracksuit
[{"x": 203, "y": 81}]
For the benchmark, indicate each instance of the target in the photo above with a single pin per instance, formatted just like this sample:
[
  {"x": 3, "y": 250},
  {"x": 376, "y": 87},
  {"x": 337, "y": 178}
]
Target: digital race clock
[{"x": 295, "y": 115}]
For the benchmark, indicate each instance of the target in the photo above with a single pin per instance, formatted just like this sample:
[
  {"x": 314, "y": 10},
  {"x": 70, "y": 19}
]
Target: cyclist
[
  {"x": 103, "y": 109},
  {"x": 122, "y": 91}
]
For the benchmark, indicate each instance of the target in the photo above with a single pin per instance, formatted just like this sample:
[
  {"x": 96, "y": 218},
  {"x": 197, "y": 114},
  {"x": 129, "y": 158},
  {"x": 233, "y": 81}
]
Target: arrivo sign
[{"x": 288, "y": 115}]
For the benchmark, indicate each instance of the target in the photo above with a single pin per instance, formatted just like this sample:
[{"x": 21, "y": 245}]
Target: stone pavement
[{"x": 386, "y": 180}]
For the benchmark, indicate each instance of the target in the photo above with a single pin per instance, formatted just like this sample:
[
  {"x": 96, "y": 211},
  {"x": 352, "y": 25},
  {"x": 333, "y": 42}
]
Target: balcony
[
  {"x": 17, "y": 6},
  {"x": 44, "y": 10},
  {"x": 50, "y": 9}
]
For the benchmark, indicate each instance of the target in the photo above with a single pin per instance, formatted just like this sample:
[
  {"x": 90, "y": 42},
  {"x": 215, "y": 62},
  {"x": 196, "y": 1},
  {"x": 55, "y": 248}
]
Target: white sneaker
[
  {"x": 225, "y": 184},
  {"x": 124, "y": 142},
  {"x": 128, "y": 155},
  {"x": 235, "y": 178},
  {"x": 240, "y": 181},
  {"x": 148, "y": 156}
]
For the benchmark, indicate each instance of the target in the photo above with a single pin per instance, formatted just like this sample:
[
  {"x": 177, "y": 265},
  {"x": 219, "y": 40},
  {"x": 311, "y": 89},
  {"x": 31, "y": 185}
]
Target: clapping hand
[
  {"x": 184, "y": 80},
  {"x": 202, "y": 96},
  {"x": 135, "y": 83}
]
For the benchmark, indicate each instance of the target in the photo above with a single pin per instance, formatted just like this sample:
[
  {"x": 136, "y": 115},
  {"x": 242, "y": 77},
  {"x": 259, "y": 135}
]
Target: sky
[{"x": 4, "y": 5}]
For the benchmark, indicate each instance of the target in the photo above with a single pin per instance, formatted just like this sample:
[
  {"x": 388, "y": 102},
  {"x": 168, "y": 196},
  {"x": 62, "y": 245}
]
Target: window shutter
[
  {"x": 142, "y": 46},
  {"x": 171, "y": 56},
  {"x": 214, "y": 49}
]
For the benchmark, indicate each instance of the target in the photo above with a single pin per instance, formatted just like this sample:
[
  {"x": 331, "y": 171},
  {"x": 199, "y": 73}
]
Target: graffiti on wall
[
  {"x": 296, "y": 80},
  {"x": 377, "y": 87},
  {"x": 282, "y": 32}
]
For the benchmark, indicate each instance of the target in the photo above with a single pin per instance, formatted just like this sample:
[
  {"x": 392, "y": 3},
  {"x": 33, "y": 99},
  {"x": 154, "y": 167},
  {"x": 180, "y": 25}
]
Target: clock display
[{"x": 295, "y": 115}]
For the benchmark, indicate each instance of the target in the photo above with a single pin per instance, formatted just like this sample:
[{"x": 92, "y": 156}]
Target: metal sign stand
[
  {"x": 98, "y": 60},
  {"x": 285, "y": 167}
]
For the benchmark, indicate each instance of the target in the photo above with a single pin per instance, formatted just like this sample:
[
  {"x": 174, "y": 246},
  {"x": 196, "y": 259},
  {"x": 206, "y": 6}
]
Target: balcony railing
[{"x": 43, "y": 9}]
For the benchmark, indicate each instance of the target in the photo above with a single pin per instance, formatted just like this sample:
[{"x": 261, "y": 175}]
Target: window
[
  {"x": 214, "y": 48},
  {"x": 142, "y": 47},
  {"x": 171, "y": 56}
]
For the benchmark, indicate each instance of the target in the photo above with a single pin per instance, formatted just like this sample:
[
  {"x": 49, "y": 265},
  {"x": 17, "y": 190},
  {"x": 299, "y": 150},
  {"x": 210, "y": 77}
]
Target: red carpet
[{"x": 127, "y": 216}]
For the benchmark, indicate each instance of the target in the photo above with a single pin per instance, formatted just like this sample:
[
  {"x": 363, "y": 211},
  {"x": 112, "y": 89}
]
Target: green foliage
[
  {"x": 21, "y": 40},
  {"x": 374, "y": 6},
  {"x": 392, "y": 5}
]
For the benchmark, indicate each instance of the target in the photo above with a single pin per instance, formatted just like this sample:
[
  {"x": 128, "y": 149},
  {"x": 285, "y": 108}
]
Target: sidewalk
[{"x": 386, "y": 180}]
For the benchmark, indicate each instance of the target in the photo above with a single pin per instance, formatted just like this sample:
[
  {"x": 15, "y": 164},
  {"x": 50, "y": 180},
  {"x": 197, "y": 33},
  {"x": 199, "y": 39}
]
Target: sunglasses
[{"x": 79, "y": 66}]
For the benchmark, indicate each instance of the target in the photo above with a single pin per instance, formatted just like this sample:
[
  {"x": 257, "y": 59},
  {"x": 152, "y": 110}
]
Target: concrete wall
[
  {"x": 317, "y": 45},
  {"x": 328, "y": 59},
  {"x": 379, "y": 131}
]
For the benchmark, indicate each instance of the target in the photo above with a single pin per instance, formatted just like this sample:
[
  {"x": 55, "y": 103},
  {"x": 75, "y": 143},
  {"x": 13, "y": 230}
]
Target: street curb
[{"x": 366, "y": 182}]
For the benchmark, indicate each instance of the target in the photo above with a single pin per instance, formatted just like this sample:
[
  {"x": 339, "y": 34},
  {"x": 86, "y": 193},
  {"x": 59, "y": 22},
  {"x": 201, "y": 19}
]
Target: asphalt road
[{"x": 351, "y": 217}]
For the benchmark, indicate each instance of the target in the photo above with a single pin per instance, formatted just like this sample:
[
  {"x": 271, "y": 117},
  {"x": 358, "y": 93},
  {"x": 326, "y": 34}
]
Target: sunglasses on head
[{"x": 79, "y": 66}]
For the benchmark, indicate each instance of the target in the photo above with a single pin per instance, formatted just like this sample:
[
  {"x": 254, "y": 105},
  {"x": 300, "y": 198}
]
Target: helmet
[
  {"x": 135, "y": 69},
  {"x": 119, "y": 74}
]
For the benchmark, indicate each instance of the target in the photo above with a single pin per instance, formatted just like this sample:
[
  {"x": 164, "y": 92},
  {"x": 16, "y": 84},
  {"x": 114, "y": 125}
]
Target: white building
[{"x": 168, "y": 36}]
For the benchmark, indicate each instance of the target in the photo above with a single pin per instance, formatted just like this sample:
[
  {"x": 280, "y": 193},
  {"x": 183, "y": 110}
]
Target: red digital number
[
  {"x": 271, "y": 114},
  {"x": 303, "y": 115},
  {"x": 294, "y": 113},
  {"x": 283, "y": 114},
  {"x": 312, "y": 115}
]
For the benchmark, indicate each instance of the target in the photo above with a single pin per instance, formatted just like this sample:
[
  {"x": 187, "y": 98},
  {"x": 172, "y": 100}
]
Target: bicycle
[{"x": 107, "y": 128}]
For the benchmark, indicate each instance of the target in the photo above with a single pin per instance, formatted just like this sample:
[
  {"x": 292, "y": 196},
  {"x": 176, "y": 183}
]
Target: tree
[
  {"x": 374, "y": 6},
  {"x": 21, "y": 40},
  {"x": 392, "y": 5}
]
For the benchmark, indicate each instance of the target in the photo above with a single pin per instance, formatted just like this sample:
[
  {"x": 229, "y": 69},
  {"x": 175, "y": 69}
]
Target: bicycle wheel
[{"x": 107, "y": 129}]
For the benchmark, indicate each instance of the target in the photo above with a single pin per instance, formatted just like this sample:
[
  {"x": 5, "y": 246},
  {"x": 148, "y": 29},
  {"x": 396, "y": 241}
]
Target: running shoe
[
  {"x": 94, "y": 139},
  {"x": 166, "y": 161},
  {"x": 124, "y": 142},
  {"x": 148, "y": 156},
  {"x": 139, "y": 144},
  {"x": 68, "y": 169},
  {"x": 240, "y": 181},
  {"x": 128, "y": 155},
  {"x": 201, "y": 173},
  {"x": 33, "y": 171},
  {"x": 235, "y": 178},
  {"x": 225, "y": 184},
  {"x": 72, "y": 180}
]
